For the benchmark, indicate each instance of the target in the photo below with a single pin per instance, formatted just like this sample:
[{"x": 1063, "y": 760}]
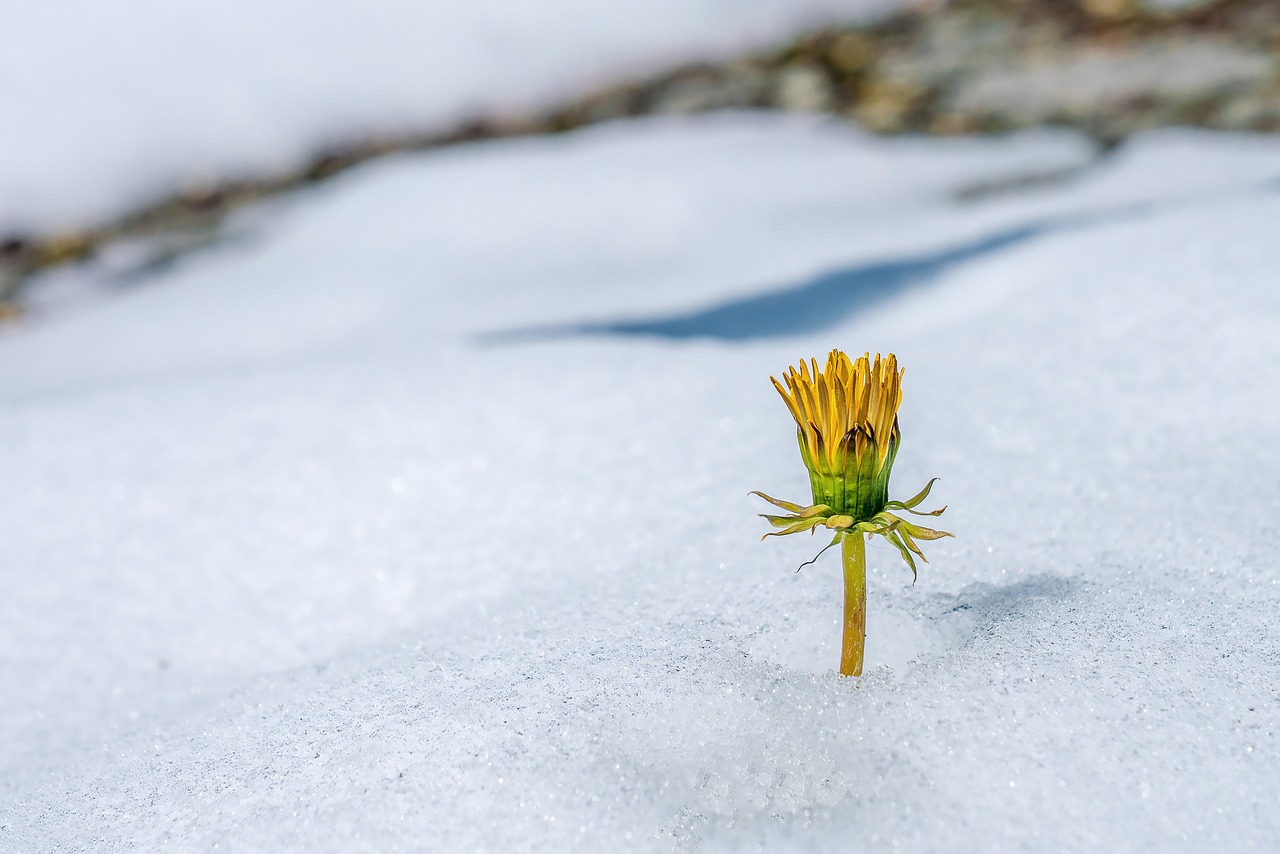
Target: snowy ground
[
  {"x": 108, "y": 105},
  {"x": 416, "y": 519}
]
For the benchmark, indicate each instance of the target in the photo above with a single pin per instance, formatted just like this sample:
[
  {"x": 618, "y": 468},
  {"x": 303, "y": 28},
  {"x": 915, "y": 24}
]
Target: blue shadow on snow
[{"x": 826, "y": 300}]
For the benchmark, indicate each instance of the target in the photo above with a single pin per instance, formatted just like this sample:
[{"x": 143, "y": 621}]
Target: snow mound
[{"x": 310, "y": 544}]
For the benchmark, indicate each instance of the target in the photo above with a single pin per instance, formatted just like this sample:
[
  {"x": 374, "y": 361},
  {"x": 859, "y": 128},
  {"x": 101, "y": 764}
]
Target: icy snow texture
[
  {"x": 312, "y": 544},
  {"x": 106, "y": 105}
]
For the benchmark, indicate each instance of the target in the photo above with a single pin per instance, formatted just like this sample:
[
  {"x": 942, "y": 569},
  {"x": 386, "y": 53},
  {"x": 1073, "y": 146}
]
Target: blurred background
[{"x": 131, "y": 132}]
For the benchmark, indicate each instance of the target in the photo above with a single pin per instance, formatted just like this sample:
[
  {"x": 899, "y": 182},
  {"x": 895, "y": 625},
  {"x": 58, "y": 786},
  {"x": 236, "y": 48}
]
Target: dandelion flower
[{"x": 847, "y": 424}]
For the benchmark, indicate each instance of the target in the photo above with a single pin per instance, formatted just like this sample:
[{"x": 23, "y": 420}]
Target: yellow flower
[
  {"x": 847, "y": 424},
  {"x": 848, "y": 428}
]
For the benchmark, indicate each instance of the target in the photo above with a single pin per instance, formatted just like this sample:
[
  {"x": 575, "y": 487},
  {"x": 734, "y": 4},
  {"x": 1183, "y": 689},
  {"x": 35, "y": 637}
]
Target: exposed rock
[
  {"x": 1158, "y": 78},
  {"x": 850, "y": 53},
  {"x": 803, "y": 86},
  {"x": 1111, "y": 10},
  {"x": 885, "y": 106},
  {"x": 742, "y": 86},
  {"x": 1111, "y": 67}
]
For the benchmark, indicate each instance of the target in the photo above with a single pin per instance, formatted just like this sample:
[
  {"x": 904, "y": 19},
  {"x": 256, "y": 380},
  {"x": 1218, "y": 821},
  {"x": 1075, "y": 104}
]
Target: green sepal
[
  {"x": 801, "y": 525},
  {"x": 884, "y": 522},
  {"x": 866, "y": 498},
  {"x": 814, "y": 559},
  {"x": 779, "y": 521},
  {"x": 892, "y": 536},
  {"x": 901, "y": 531},
  {"x": 884, "y": 470},
  {"x": 920, "y": 532},
  {"x": 937, "y": 512},
  {"x": 778, "y": 502},
  {"x": 798, "y": 513},
  {"x": 915, "y": 500}
]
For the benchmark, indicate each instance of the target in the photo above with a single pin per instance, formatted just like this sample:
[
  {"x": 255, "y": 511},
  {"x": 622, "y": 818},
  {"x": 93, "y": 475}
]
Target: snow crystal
[{"x": 309, "y": 544}]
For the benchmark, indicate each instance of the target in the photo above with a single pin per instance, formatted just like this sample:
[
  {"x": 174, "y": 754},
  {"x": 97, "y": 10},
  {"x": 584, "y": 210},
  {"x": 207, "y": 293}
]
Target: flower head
[
  {"x": 847, "y": 424},
  {"x": 847, "y": 417}
]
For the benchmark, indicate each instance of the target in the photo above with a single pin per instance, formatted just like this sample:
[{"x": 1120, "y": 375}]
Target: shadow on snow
[{"x": 826, "y": 300}]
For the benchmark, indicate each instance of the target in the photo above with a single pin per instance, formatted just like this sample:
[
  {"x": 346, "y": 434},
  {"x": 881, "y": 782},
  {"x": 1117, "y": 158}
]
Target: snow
[
  {"x": 416, "y": 518},
  {"x": 107, "y": 106}
]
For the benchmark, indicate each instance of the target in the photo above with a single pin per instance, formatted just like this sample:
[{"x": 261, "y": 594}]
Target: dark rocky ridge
[{"x": 1108, "y": 67}]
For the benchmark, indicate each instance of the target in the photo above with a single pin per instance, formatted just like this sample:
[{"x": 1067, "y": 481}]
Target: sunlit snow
[{"x": 416, "y": 519}]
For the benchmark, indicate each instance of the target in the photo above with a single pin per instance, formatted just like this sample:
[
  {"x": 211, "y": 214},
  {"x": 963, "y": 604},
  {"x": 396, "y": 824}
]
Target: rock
[
  {"x": 850, "y": 53},
  {"x": 1175, "y": 5},
  {"x": 1110, "y": 10},
  {"x": 803, "y": 87},
  {"x": 612, "y": 105},
  {"x": 1075, "y": 85},
  {"x": 739, "y": 86},
  {"x": 884, "y": 107},
  {"x": 68, "y": 246}
]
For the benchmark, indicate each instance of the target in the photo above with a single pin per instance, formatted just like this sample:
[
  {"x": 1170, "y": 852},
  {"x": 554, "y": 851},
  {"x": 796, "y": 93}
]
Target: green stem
[{"x": 853, "y": 548}]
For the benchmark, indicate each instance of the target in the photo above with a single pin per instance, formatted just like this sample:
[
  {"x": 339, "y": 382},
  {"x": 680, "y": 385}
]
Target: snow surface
[
  {"x": 108, "y": 105},
  {"x": 416, "y": 519}
]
